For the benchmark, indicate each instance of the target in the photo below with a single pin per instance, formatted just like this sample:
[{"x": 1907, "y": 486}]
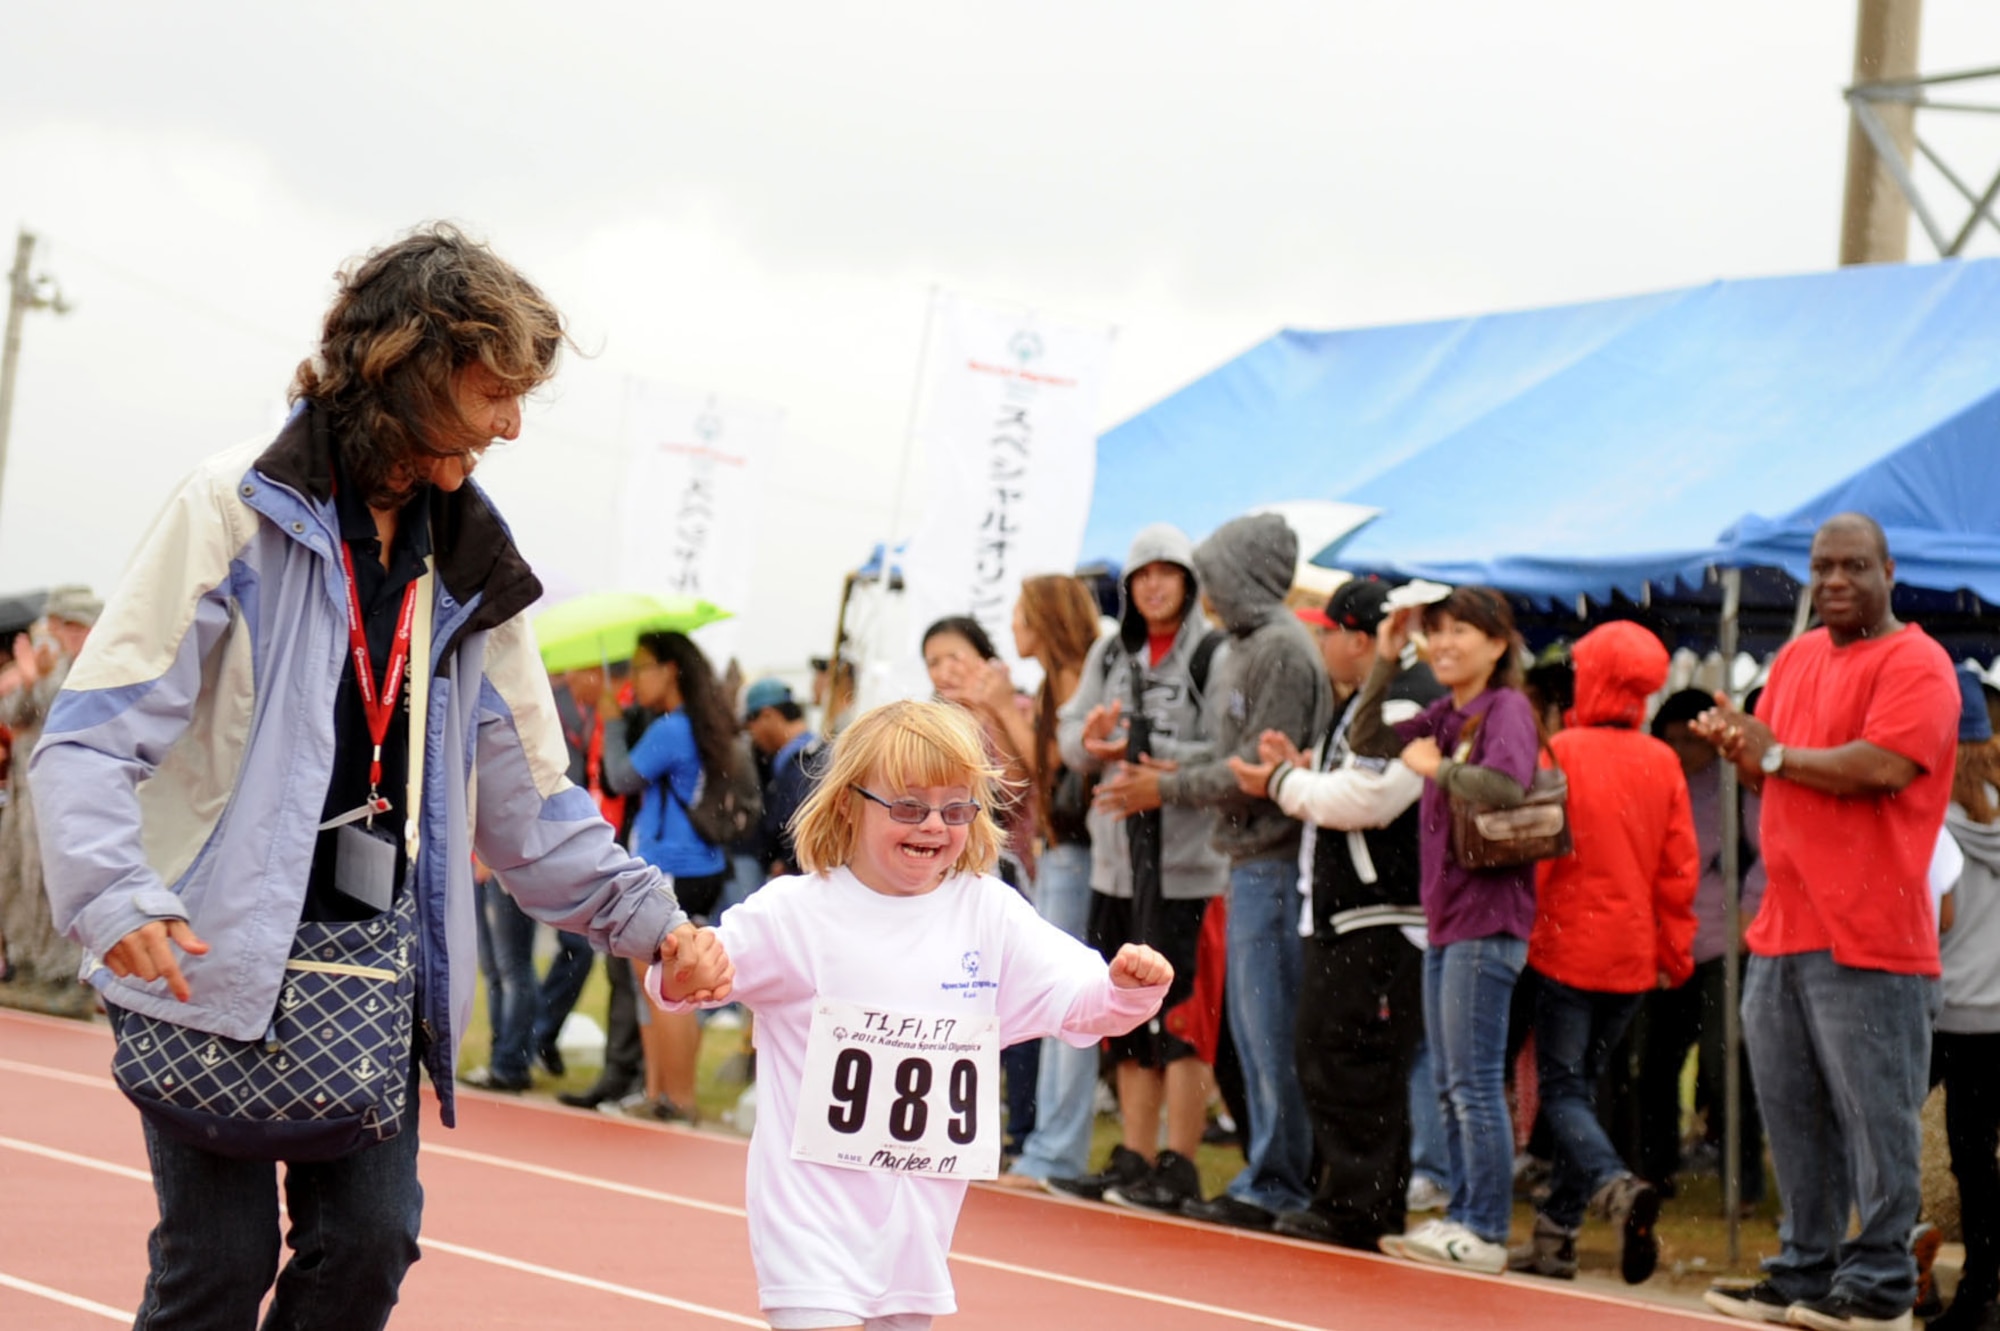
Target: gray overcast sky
[{"x": 755, "y": 200}]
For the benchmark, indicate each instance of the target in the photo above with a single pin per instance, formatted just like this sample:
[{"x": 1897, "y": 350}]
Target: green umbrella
[{"x": 602, "y": 627}]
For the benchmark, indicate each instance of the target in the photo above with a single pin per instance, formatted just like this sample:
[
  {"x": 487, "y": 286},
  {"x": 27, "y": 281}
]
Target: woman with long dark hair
[
  {"x": 1479, "y": 743},
  {"x": 967, "y": 669},
  {"x": 692, "y": 740},
  {"x": 1055, "y": 623}
]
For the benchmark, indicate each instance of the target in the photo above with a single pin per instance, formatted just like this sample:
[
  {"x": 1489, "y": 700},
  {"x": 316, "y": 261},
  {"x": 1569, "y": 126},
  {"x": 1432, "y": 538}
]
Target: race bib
[{"x": 900, "y": 1093}]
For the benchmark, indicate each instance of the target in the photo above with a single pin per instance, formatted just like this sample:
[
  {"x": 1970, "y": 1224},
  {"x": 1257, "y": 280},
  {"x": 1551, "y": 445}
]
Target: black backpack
[
  {"x": 727, "y": 811},
  {"x": 1198, "y": 664}
]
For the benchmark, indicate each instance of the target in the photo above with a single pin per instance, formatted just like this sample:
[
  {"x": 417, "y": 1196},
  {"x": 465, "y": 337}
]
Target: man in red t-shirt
[{"x": 1853, "y": 747}]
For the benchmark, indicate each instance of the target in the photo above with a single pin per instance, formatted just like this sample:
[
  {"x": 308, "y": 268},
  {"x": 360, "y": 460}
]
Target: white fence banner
[
  {"x": 693, "y": 462},
  {"x": 1009, "y": 432}
]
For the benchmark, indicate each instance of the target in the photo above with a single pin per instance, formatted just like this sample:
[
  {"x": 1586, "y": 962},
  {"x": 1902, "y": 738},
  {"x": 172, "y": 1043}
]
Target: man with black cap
[{"x": 1360, "y": 1013}]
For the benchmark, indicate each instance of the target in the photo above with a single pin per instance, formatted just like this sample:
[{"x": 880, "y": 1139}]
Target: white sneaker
[
  {"x": 1425, "y": 1195},
  {"x": 1398, "y": 1245},
  {"x": 1443, "y": 1243}
]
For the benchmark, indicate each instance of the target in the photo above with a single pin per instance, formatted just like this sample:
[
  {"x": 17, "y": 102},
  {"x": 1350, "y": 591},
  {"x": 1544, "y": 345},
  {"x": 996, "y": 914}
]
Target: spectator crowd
[
  {"x": 1324, "y": 814},
  {"x": 1305, "y": 807}
]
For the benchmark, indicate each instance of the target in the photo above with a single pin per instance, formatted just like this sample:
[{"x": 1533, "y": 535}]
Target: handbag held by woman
[{"x": 1484, "y": 836}]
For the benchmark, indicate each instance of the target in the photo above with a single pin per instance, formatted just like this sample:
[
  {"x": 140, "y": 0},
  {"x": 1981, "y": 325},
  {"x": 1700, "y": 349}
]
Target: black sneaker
[
  {"x": 1968, "y": 1312},
  {"x": 1839, "y": 1312},
  {"x": 591, "y": 1098},
  {"x": 1759, "y": 1302},
  {"x": 1226, "y": 1210},
  {"x": 1633, "y": 1205},
  {"x": 1316, "y": 1227},
  {"x": 1125, "y": 1166},
  {"x": 551, "y": 1058},
  {"x": 1172, "y": 1182}
]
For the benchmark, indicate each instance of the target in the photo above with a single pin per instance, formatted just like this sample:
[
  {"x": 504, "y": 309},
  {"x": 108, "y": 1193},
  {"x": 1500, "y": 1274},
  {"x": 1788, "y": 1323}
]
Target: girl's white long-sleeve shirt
[{"x": 861, "y": 1241}]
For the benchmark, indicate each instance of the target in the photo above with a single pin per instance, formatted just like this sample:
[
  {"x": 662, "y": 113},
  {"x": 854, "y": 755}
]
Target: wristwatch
[{"x": 1773, "y": 760}]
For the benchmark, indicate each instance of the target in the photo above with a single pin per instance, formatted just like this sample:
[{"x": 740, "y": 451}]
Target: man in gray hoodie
[
  {"x": 1151, "y": 879},
  {"x": 1271, "y": 678}
]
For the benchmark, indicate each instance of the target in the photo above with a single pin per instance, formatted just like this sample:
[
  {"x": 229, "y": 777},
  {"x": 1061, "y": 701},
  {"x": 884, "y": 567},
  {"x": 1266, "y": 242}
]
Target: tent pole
[{"x": 1732, "y": 898}]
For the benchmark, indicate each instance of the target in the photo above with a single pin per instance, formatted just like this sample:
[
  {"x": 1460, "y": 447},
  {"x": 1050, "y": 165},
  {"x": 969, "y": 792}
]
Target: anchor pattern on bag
[{"x": 339, "y": 1048}]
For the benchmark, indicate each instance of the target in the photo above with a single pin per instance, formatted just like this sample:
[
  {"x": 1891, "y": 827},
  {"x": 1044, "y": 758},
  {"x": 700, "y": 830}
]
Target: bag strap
[
  {"x": 420, "y": 713},
  {"x": 667, "y": 785},
  {"x": 1466, "y": 740},
  {"x": 1467, "y": 735},
  {"x": 1204, "y": 656}
]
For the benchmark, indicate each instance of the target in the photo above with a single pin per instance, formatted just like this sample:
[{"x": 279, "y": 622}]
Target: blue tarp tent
[
  {"x": 1312, "y": 415},
  {"x": 1582, "y": 449}
]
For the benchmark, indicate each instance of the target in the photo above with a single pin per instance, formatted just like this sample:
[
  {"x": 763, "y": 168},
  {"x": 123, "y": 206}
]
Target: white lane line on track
[
  {"x": 584, "y": 1180},
  {"x": 76, "y": 1301},
  {"x": 81, "y": 1161},
  {"x": 456, "y": 1249},
  {"x": 429, "y": 1148},
  {"x": 672, "y": 1199},
  {"x": 58, "y": 1074},
  {"x": 604, "y": 1286},
  {"x": 1167, "y": 1300},
  {"x": 42, "y": 1019}
]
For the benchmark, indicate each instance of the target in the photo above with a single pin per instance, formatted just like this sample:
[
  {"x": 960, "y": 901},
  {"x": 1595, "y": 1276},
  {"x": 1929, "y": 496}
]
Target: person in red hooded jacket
[{"x": 1613, "y": 919}]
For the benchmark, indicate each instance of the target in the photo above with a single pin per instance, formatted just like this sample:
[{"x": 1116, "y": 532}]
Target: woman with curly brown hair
[{"x": 313, "y": 698}]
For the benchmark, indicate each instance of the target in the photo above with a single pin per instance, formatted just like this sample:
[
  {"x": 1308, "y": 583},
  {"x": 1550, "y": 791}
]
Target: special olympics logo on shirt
[{"x": 968, "y": 962}]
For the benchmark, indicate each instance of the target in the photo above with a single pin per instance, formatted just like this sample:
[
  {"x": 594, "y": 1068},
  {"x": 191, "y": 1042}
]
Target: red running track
[{"x": 539, "y": 1216}]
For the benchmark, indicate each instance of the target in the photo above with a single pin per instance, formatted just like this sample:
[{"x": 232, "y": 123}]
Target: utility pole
[
  {"x": 1875, "y": 216},
  {"x": 24, "y": 293}
]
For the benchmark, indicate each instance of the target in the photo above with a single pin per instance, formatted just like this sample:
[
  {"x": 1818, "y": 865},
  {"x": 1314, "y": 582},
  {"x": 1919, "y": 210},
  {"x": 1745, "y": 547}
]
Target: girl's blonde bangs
[
  {"x": 907, "y": 757},
  {"x": 901, "y": 745}
]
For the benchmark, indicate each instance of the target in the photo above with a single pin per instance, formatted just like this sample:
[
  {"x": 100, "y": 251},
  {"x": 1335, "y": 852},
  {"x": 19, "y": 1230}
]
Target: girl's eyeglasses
[{"x": 913, "y": 812}]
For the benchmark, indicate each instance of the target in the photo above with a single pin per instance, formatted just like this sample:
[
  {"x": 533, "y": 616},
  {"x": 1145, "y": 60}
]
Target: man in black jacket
[{"x": 1360, "y": 1013}]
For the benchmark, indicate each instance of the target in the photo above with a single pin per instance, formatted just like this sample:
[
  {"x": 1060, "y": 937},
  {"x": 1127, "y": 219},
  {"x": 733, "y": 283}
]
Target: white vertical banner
[
  {"x": 1009, "y": 433},
  {"x": 687, "y": 510}
]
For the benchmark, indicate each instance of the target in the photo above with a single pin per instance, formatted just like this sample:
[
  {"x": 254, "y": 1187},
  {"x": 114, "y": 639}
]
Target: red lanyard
[{"x": 378, "y": 709}]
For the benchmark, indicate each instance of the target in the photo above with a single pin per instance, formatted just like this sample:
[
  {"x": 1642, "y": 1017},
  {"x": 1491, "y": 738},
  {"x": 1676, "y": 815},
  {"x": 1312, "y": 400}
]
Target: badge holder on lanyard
[{"x": 410, "y": 653}]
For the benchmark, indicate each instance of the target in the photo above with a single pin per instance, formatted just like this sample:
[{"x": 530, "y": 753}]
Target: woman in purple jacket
[{"x": 1478, "y": 743}]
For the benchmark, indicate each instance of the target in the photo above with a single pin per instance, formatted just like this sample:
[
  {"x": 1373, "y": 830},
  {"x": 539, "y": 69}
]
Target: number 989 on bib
[{"x": 901, "y": 1093}]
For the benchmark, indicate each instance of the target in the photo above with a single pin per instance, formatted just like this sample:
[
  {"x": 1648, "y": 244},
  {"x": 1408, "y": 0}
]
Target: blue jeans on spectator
[
  {"x": 1265, "y": 970},
  {"x": 1841, "y": 1058},
  {"x": 507, "y": 955},
  {"x": 1428, "y": 1156},
  {"x": 1575, "y": 1032},
  {"x": 352, "y": 1229},
  {"x": 1066, "y": 1089},
  {"x": 1468, "y": 987},
  {"x": 561, "y": 986},
  {"x": 745, "y": 877}
]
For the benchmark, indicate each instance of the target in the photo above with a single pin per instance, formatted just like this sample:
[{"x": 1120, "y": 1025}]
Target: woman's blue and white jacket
[{"x": 184, "y": 766}]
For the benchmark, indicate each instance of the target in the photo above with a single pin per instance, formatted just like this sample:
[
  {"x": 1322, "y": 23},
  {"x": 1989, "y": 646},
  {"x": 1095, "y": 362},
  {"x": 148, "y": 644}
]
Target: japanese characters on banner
[
  {"x": 1009, "y": 433},
  {"x": 687, "y": 516}
]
